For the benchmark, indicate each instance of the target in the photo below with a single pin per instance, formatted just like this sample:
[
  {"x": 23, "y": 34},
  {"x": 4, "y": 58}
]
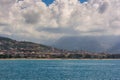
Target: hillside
[
  {"x": 10, "y": 48},
  {"x": 9, "y": 44}
]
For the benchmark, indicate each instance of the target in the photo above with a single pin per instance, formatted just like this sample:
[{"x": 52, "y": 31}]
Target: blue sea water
[{"x": 59, "y": 69}]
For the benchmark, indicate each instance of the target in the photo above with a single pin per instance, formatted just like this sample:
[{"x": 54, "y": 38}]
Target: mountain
[
  {"x": 10, "y": 44},
  {"x": 93, "y": 44},
  {"x": 115, "y": 49},
  {"x": 78, "y": 43},
  {"x": 10, "y": 48}
]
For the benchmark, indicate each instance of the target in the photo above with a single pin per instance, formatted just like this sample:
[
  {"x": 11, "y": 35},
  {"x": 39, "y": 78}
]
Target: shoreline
[{"x": 50, "y": 59}]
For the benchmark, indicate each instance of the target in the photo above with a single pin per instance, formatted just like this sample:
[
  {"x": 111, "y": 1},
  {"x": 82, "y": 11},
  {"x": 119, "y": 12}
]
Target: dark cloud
[
  {"x": 31, "y": 17},
  {"x": 103, "y": 7},
  {"x": 19, "y": 0},
  {"x": 97, "y": 30},
  {"x": 59, "y": 30},
  {"x": 6, "y": 27},
  {"x": 4, "y": 24}
]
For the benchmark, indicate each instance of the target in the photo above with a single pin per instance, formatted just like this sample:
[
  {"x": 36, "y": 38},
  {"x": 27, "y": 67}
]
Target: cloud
[
  {"x": 34, "y": 19},
  {"x": 103, "y": 7},
  {"x": 31, "y": 18},
  {"x": 5, "y": 6}
]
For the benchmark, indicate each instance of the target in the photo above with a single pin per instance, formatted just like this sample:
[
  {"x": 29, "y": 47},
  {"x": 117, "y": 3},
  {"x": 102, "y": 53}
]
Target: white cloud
[{"x": 32, "y": 18}]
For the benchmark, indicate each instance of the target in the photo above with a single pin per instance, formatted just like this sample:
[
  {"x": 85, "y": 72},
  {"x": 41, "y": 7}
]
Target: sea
[{"x": 59, "y": 69}]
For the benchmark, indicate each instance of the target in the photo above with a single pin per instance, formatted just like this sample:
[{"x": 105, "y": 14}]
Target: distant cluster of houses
[
  {"x": 53, "y": 53},
  {"x": 26, "y": 53}
]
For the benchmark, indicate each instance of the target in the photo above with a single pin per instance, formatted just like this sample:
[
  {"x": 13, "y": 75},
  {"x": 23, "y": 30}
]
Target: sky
[
  {"x": 48, "y": 2},
  {"x": 48, "y": 21}
]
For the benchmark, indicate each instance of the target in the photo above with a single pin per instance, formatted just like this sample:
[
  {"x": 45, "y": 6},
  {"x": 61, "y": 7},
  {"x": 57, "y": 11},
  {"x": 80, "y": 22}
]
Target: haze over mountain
[
  {"x": 95, "y": 44},
  {"x": 115, "y": 48}
]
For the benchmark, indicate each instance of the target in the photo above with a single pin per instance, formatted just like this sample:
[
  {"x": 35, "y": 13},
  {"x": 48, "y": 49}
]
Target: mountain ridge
[
  {"x": 7, "y": 43},
  {"x": 10, "y": 48},
  {"x": 90, "y": 43}
]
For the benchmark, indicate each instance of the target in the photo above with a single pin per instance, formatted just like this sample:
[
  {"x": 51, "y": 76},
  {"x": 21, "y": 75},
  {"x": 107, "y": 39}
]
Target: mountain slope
[
  {"x": 115, "y": 49},
  {"x": 9, "y": 44},
  {"x": 90, "y": 43},
  {"x": 79, "y": 43}
]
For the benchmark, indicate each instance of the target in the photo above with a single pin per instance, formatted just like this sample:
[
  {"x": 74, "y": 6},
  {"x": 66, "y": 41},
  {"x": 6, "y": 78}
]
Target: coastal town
[{"x": 21, "y": 49}]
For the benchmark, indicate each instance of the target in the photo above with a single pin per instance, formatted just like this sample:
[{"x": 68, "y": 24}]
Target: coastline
[{"x": 51, "y": 59}]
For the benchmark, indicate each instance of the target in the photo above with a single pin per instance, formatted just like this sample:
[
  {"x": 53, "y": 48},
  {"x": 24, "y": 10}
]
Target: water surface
[{"x": 59, "y": 69}]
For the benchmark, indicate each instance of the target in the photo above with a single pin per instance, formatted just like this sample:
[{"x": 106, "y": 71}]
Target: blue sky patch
[{"x": 48, "y": 2}]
